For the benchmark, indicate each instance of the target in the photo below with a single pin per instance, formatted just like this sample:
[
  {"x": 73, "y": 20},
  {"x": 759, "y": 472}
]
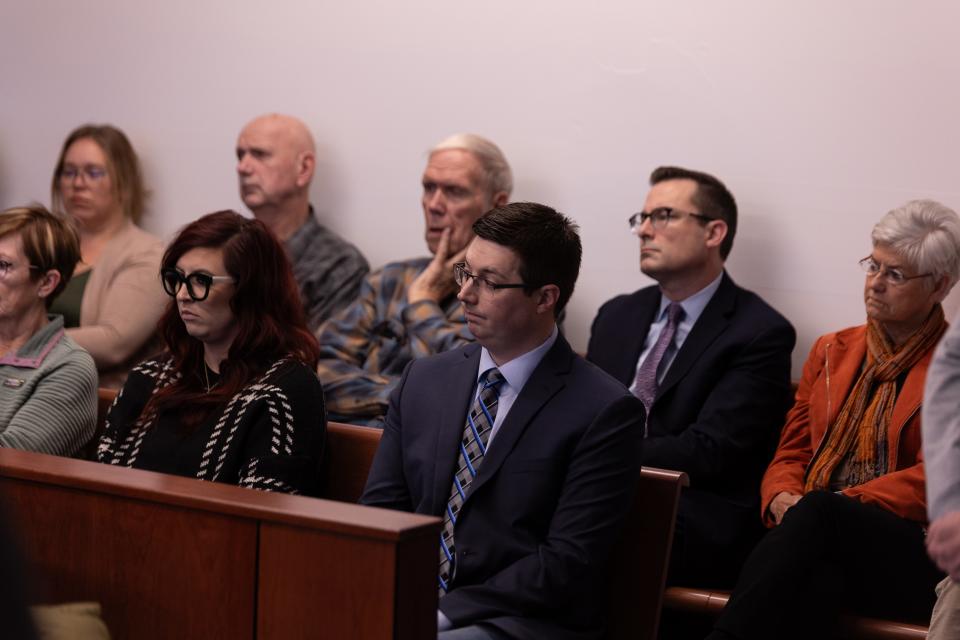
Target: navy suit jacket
[
  {"x": 533, "y": 535},
  {"x": 718, "y": 412}
]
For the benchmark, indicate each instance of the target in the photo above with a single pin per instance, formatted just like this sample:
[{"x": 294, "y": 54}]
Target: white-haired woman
[{"x": 844, "y": 494}]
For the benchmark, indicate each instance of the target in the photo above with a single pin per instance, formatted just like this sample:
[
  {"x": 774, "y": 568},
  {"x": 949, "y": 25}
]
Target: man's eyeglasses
[
  {"x": 892, "y": 276},
  {"x": 661, "y": 216},
  {"x": 6, "y": 267},
  {"x": 462, "y": 277},
  {"x": 198, "y": 283},
  {"x": 90, "y": 172}
]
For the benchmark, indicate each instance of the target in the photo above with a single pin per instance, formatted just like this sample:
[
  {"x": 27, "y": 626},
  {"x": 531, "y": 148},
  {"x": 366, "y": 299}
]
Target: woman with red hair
[{"x": 235, "y": 398}]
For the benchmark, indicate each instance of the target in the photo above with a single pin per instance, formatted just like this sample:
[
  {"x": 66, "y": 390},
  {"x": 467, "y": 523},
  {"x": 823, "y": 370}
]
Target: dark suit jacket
[
  {"x": 534, "y": 532},
  {"x": 717, "y": 414}
]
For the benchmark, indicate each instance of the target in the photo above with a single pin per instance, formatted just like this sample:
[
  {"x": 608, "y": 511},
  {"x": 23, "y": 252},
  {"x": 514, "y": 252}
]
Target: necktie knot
[
  {"x": 491, "y": 378},
  {"x": 674, "y": 313}
]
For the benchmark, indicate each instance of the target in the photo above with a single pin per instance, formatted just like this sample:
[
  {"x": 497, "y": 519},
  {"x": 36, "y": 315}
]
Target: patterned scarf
[{"x": 861, "y": 426}]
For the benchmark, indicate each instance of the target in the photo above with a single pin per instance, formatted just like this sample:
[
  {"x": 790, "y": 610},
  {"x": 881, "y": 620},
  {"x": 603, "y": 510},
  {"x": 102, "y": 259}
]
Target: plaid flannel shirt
[
  {"x": 365, "y": 347},
  {"x": 328, "y": 269}
]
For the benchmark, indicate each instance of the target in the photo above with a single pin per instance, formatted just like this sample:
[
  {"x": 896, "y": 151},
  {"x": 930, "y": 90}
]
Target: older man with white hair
[
  {"x": 409, "y": 309},
  {"x": 276, "y": 158}
]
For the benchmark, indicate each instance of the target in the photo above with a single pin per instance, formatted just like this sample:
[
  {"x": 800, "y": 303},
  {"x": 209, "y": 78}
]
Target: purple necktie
[{"x": 645, "y": 385}]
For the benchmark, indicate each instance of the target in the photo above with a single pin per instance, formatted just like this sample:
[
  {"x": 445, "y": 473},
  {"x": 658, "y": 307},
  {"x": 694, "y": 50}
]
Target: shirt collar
[
  {"x": 518, "y": 371},
  {"x": 34, "y": 350},
  {"x": 300, "y": 239},
  {"x": 695, "y": 304}
]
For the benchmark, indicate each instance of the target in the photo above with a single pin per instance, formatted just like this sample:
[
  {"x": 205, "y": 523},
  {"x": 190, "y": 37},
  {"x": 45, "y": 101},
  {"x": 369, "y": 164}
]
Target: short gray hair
[
  {"x": 495, "y": 167},
  {"x": 926, "y": 234}
]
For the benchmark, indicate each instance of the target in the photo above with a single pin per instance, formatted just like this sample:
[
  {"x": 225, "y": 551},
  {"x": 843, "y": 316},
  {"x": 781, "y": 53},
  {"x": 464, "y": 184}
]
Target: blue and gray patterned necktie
[{"x": 473, "y": 446}]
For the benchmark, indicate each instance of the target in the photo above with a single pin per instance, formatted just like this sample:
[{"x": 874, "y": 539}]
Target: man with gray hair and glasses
[
  {"x": 711, "y": 363},
  {"x": 409, "y": 309}
]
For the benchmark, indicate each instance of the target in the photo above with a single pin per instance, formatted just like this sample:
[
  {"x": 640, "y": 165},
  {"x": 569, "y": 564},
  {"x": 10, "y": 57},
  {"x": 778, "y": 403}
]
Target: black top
[{"x": 268, "y": 436}]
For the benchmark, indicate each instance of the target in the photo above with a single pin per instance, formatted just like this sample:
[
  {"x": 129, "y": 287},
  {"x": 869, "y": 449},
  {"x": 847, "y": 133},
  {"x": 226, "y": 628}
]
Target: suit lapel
[
  {"x": 454, "y": 394},
  {"x": 642, "y": 314},
  {"x": 545, "y": 382},
  {"x": 711, "y": 323}
]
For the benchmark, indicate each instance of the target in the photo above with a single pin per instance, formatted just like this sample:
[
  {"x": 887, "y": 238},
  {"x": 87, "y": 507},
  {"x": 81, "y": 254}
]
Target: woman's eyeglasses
[
  {"x": 90, "y": 173},
  {"x": 198, "y": 283},
  {"x": 891, "y": 275}
]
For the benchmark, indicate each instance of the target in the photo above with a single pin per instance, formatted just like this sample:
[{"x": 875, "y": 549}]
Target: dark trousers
[{"x": 830, "y": 553}]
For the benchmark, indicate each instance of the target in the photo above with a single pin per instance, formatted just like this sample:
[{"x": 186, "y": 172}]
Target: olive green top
[{"x": 68, "y": 302}]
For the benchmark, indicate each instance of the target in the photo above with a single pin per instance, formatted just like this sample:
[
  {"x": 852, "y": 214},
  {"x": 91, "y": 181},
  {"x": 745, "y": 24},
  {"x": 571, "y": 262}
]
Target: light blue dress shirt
[{"x": 515, "y": 374}]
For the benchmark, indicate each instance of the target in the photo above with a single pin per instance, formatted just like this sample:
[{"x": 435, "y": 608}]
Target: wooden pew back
[
  {"x": 172, "y": 557},
  {"x": 349, "y": 454},
  {"x": 642, "y": 555}
]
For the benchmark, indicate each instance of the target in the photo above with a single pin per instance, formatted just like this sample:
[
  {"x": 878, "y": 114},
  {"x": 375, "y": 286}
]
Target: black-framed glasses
[
  {"x": 891, "y": 276},
  {"x": 198, "y": 283},
  {"x": 462, "y": 277},
  {"x": 661, "y": 216}
]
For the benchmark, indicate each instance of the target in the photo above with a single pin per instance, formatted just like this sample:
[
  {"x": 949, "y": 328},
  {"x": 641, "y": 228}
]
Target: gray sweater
[{"x": 48, "y": 394}]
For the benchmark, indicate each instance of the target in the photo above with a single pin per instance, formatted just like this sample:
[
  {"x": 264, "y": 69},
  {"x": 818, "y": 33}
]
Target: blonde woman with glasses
[{"x": 113, "y": 303}]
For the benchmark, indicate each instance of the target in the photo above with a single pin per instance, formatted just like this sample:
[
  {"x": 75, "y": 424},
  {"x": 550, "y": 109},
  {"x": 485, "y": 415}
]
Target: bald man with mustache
[{"x": 276, "y": 158}]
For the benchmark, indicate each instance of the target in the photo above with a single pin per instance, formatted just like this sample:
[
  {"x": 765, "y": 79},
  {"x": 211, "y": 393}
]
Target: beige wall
[{"x": 820, "y": 115}]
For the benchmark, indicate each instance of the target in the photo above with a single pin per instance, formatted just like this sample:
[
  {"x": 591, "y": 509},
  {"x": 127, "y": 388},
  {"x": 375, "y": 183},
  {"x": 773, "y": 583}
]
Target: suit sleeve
[
  {"x": 739, "y": 418},
  {"x": 386, "y": 486},
  {"x": 941, "y": 426},
  {"x": 568, "y": 566}
]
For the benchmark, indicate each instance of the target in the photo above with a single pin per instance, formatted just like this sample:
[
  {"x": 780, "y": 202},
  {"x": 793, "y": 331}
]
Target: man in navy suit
[
  {"x": 527, "y": 451},
  {"x": 711, "y": 361}
]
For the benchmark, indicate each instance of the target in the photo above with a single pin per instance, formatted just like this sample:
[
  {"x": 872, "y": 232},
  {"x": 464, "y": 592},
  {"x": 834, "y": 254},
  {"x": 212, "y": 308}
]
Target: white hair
[
  {"x": 494, "y": 163},
  {"x": 926, "y": 234}
]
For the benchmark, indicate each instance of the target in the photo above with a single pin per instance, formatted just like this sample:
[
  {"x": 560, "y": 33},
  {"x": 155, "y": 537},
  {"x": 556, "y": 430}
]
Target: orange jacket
[{"x": 831, "y": 370}]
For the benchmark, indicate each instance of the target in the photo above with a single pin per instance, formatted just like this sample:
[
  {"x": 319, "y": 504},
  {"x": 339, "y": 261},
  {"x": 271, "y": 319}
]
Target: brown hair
[
  {"x": 546, "y": 242},
  {"x": 122, "y": 165},
  {"x": 49, "y": 241},
  {"x": 712, "y": 197},
  {"x": 266, "y": 305}
]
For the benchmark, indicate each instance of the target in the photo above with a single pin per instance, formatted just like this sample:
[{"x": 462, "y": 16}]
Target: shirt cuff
[{"x": 443, "y": 622}]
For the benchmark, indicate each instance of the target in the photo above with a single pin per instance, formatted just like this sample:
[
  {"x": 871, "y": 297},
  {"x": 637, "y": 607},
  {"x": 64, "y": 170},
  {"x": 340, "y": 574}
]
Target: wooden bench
[
  {"x": 641, "y": 556},
  {"x": 173, "y": 557},
  {"x": 709, "y": 604}
]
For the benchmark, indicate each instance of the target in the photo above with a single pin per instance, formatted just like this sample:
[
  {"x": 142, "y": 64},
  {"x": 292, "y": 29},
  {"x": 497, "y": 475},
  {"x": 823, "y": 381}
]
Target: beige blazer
[{"x": 122, "y": 302}]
